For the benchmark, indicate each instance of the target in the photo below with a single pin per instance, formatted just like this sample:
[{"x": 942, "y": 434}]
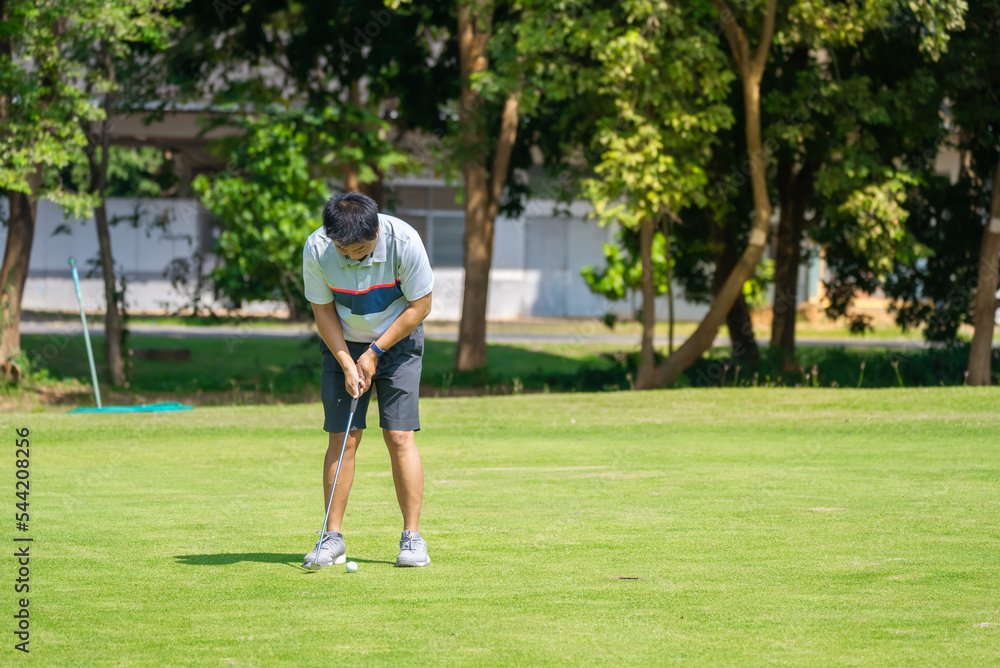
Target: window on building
[
  {"x": 433, "y": 212},
  {"x": 449, "y": 233}
]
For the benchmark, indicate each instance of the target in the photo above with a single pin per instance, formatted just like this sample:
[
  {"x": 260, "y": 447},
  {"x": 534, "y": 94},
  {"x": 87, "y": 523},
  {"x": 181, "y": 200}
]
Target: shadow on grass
[
  {"x": 230, "y": 559},
  {"x": 258, "y": 557}
]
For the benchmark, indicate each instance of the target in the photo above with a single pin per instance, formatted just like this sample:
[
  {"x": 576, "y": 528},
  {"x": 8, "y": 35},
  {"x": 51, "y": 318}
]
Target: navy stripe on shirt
[{"x": 372, "y": 300}]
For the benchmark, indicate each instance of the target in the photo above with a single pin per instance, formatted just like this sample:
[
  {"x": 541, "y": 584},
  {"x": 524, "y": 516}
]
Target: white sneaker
[
  {"x": 412, "y": 550},
  {"x": 331, "y": 550}
]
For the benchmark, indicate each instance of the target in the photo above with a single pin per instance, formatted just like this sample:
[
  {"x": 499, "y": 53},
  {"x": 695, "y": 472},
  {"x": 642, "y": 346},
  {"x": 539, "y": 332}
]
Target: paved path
[{"x": 583, "y": 335}]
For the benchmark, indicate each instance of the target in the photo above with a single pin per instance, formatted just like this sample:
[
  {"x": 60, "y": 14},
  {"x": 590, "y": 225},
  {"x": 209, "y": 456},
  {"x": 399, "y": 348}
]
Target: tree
[
  {"x": 970, "y": 71},
  {"x": 815, "y": 26},
  {"x": 485, "y": 164},
  {"x": 948, "y": 280},
  {"x": 750, "y": 67},
  {"x": 711, "y": 236},
  {"x": 844, "y": 124},
  {"x": 106, "y": 39},
  {"x": 887, "y": 221},
  {"x": 342, "y": 71},
  {"x": 269, "y": 198},
  {"x": 668, "y": 84},
  {"x": 639, "y": 97},
  {"x": 798, "y": 161},
  {"x": 395, "y": 61},
  {"x": 985, "y": 302},
  {"x": 39, "y": 135}
]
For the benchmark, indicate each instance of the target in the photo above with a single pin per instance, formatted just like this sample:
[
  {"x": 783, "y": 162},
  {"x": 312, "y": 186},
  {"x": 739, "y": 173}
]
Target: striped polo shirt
[{"x": 370, "y": 293}]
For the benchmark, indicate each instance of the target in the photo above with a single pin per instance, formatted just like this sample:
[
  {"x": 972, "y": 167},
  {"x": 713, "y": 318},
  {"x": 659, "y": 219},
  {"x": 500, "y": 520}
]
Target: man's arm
[
  {"x": 405, "y": 323},
  {"x": 401, "y": 327},
  {"x": 328, "y": 324}
]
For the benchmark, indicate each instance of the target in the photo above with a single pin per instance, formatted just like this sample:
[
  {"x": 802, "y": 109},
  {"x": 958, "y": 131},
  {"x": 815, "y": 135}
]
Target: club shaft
[{"x": 336, "y": 476}]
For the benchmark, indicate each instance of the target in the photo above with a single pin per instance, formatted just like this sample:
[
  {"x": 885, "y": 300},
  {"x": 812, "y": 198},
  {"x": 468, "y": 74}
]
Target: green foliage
[
  {"x": 840, "y": 367},
  {"x": 623, "y": 267},
  {"x": 636, "y": 93},
  {"x": 51, "y": 78},
  {"x": 42, "y": 129},
  {"x": 934, "y": 291},
  {"x": 935, "y": 288},
  {"x": 313, "y": 50},
  {"x": 755, "y": 289},
  {"x": 665, "y": 80},
  {"x": 269, "y": 198},
  {"x": 133, "y": 172},
  {"x": 908, "y": 231}
]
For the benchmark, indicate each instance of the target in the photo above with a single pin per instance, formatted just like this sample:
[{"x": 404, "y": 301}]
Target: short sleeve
[
  {"x": 316, "y": 289},
  {"x": 414, "y": 272}
]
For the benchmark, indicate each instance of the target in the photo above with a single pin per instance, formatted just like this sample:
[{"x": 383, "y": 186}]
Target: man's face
[{"x": 357, "y": 251}]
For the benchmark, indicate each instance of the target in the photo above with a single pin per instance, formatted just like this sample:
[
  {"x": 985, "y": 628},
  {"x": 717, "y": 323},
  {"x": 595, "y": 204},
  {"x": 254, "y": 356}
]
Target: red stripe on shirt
[{"x": 361, "y": 292}]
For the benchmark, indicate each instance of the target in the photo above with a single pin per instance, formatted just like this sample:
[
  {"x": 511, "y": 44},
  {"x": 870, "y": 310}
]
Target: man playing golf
[{"x": 369, "y": 282}]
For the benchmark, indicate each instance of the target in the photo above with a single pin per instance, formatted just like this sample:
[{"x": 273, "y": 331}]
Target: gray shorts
[{"x": 396, "y": 382}]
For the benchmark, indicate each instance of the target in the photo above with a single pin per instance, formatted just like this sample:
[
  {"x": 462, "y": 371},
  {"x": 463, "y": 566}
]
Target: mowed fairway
[{"x": 748, "y": 527}]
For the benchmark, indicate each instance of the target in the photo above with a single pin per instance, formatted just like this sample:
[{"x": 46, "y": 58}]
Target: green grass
[{"x": 809, "y": 527}]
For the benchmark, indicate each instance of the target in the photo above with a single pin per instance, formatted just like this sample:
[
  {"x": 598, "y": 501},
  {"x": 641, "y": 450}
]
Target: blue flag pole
[{"x": 86, "y": 334}]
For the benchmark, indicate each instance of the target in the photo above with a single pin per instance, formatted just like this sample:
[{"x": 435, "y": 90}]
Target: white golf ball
[{"x": 351, "y": 567}]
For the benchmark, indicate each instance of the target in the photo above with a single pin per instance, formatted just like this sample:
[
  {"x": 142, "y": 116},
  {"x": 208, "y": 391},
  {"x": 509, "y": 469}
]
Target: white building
[{"x": 536, "y": 266}]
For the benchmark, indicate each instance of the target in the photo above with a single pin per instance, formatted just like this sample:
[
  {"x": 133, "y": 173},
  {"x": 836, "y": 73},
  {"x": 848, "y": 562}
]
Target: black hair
[{"x": 351, "y": 218}]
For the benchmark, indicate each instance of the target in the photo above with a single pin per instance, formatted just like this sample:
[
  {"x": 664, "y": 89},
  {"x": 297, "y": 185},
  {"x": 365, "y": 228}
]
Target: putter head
[{"x": 312, "y": 566}]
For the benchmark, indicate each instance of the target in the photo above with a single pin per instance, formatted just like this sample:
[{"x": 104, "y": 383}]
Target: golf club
[{"x": 313, "y": 565}]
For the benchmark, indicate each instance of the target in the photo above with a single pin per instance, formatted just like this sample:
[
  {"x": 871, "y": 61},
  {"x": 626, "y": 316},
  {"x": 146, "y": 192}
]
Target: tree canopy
[{"x": 719, "y": 137}]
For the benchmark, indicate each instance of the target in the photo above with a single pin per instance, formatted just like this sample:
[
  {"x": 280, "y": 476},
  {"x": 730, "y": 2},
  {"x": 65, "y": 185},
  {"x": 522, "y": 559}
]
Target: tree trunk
[
  {"x": 287, "y": 283},
  {"x": 668, "y": 248},
  {"x": 483, "y": 186},
  {"x": 646, "y": 377},
  {"x": 350, "y": 179},
  {"x": 375, "y": 189},
  {"x": 112, "y": 316},
  {"x": 984, "y": 304},
  {"x": 21, "y": 225},
  {"x": 98, "y": 182},
  {"x": 352, "y": 184},
  {"x": 723, "y": 237},
  {"x": 14, "y": 273},
  {"x": 751, "y": 72},
  {"x": 478, "y": 248},
  {"x": 10, "y": 290},
  {"x": 795, "y": 189}
]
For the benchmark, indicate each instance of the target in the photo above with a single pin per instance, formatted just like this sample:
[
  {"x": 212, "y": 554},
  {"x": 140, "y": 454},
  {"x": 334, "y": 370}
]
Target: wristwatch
[{"x": 375, "y": 349}]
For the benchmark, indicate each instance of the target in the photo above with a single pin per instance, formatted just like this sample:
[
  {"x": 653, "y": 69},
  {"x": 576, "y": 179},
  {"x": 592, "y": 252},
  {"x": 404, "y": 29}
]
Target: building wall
[
  {"x": 537, "y": 258},
  {"x": 148, "y": 236}
]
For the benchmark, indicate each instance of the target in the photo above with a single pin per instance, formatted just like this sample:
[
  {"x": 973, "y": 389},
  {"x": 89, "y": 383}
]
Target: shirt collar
[{"x": 378, "y": 255}]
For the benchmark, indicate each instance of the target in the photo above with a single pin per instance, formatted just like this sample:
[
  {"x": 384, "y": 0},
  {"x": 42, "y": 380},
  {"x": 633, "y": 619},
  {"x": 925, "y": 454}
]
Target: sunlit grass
[{"x": 806, "y": 527}]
